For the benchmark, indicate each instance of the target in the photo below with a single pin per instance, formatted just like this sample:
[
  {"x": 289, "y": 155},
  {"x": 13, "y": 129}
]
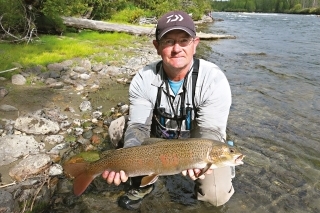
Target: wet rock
[
  {"x": 3, "y": 92},
  {"x": 61, "y": 146},
  {"x": 95, "y": 86},
  {"x": 96, "y": 139},
  {"x": 87, "y": 134},
  {"x": 78, "y": 69},
  {"x": 85, "y": 106},
  {"x": 84, "y": 76},
  {"x": 55, "y": 169},
  {"x": 67, "y": 63},
  {"x": 83, "y": 141},
  {"x": 97, "y": 67},
  {"x": 13, "y": 147},
  {"x": 78, "y": 131},
  {"x": 122, "y": 80},
  {"x": 54, "y": 139},
  {"x": 124, "y": 109},
  {"x": 18, "y": 79},
  {"x": 56, "y": 67},
  {"x": 116, "y": 130},
  {"x": 7, "y": 108},
  {"x": 57, "y": 85},
  {"x": 49, "y": 81},
  {"x": 30, "y": 166},
  {"x": 54, "y": 114},
  {"x": 77, "y": 122},
  {"x": 65, "y": 124},
  {"x": 96, "y": 114},
  {"x": 6, "y": 202},
  {"x": 32, "y": 124},
  {"x": 54, "y": 74},
  {"x": 79, "y": 87},
  {"x": 86, "y": 64}
]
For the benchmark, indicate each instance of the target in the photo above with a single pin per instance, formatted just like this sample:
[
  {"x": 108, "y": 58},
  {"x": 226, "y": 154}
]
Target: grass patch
[{"x": 51, "y": 48}]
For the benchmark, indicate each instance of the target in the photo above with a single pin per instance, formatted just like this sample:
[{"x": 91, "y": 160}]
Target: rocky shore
[{"x": 34, "y": 144}]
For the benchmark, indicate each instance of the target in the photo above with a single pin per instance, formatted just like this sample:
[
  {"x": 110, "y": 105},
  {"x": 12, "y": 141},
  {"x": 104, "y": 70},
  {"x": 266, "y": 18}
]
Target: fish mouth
[{"x": 239, "y": 159}]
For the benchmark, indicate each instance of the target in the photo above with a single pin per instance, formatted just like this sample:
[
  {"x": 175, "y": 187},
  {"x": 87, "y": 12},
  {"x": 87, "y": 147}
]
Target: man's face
[{"x": 176, "y": 56}]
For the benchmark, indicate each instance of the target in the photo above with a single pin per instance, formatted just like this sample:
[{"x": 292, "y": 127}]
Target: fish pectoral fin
[
  {"x": 147, "y": 180},
  {"x": 204, "y": 169}
]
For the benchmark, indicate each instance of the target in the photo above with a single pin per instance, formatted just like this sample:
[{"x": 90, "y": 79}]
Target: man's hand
[
  {"x": 193, "y": 173},
  {"x": 115, "y": 177}
]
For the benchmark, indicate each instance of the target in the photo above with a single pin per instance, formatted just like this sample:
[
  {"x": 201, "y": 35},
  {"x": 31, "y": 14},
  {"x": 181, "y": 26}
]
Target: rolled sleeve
[{"x": 141, "y": 108}]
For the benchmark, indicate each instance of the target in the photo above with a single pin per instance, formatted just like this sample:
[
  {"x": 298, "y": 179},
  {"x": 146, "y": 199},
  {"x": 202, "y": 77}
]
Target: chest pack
[{"x": 158, "y": 127}]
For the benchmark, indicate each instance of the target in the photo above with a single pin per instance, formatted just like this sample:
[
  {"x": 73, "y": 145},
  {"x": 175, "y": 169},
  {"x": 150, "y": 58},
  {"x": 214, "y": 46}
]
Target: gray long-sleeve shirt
[{"x": 212, "y": 100}]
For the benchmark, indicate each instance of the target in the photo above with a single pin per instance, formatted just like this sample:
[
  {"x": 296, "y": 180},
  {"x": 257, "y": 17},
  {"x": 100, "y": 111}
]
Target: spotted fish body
[{"x": 165, "y": 157}]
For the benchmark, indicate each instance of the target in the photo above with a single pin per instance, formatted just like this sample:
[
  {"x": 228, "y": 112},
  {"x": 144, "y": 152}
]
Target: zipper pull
[{"x": 233, "y": 168}]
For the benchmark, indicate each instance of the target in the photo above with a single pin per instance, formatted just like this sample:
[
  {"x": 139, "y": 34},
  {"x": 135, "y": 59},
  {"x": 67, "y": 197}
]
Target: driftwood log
[{"x": 80, "y": 23}]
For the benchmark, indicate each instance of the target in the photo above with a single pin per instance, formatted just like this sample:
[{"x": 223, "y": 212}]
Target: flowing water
[{"x": 273, "y": 67}]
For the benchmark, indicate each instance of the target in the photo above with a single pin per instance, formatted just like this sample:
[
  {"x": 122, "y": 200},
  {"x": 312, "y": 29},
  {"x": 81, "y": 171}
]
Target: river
[{"x": 273, "y": 67}]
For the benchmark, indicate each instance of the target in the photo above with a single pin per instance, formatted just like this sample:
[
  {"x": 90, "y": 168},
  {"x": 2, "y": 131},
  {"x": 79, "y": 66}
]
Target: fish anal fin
[
  {"x": 204, "y": 169},
  {"x": 81, "y": 183},
  {"x": 82, "y": 178},
  {"x": 147, "y": 180}
]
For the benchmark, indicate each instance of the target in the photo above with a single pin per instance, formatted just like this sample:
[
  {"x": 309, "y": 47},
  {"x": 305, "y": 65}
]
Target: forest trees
[
  {"x": 20, "y": 20},
  {"x": 269, "y": 6}
]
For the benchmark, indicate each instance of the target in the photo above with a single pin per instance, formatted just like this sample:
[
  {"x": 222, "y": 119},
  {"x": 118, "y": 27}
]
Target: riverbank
[{"x": 71, "y": 105}]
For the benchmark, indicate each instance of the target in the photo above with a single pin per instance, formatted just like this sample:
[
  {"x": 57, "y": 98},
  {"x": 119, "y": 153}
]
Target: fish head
[{"x": 226, "y": 156}]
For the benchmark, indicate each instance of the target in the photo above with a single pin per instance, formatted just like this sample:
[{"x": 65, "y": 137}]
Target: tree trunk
[{"x": 131, "y": 29}]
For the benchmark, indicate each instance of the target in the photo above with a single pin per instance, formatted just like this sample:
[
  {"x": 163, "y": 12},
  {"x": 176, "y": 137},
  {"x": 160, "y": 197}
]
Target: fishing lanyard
[{"x": 182, "y": 116}]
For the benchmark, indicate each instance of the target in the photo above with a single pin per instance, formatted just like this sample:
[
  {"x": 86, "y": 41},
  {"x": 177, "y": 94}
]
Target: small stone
[
  {"x": 30, "y": 166},
  {"x": 7, "y": 108},
  {"x": 96, "y": 139},
  {"x": 116, "y": 130},
  {"x": 85, "y": 106},
  {"x": 3, "y": 92},
  {"x": 55, "y": 169},
  {"x": 18, "y": 79},
  {"x": 54, "y": 139}
]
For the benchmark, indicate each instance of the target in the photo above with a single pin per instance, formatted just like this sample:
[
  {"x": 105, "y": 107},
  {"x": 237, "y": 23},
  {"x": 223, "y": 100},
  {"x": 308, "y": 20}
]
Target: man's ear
[
  {"x": 195, "y": 43},
  {"x": 156, "y": 45}
]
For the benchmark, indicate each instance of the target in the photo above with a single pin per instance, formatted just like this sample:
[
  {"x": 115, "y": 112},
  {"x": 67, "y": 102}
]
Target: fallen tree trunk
[{"x": 131, "y": 29}]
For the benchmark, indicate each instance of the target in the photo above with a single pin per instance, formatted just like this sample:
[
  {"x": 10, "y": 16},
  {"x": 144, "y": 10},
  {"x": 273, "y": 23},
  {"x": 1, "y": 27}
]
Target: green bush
[
  {"x": 315, "y": 10},
  {"x": 128, "y": 15}
]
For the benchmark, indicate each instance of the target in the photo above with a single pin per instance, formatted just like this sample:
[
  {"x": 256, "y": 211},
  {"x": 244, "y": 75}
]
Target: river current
[{"x": 273, "y": 67}]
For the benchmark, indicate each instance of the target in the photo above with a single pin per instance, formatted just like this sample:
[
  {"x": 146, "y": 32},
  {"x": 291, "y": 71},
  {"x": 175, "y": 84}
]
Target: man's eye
[
  {"x": 169, "y": 41},
  {"x": 184, "y": 41}
]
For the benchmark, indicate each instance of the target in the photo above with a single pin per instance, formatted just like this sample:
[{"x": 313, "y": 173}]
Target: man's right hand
[{"x": 115, "y": 177}]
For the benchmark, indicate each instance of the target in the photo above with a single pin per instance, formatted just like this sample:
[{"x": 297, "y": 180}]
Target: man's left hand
[{"x": 193, "y": 173}]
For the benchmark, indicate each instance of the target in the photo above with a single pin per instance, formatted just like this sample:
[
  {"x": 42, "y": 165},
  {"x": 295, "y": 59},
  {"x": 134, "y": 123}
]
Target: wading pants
[{"x": 216, "y": 188}]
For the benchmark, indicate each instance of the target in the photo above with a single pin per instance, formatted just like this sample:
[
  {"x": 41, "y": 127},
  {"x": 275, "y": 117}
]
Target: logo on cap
[{"x": 174, "y": 18}]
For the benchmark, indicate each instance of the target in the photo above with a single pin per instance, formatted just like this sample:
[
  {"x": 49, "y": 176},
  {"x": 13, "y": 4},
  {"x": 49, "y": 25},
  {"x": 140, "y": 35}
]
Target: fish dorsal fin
[
  {"x": 204, "y": 169},
  {"x": 147, "y": 180},
  {"x": 148, "y": 141},
  {"x": 105, "y": 153}
]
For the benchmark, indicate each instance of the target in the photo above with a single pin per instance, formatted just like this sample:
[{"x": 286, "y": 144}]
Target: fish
[{"x": 154, "y": 159}]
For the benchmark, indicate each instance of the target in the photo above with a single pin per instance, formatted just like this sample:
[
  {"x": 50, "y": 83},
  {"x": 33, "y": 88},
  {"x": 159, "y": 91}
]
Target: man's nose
[{"x": 176, "y": 47}]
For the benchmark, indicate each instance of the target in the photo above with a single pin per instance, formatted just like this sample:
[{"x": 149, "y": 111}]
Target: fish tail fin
[{"x": 82, "y": 178}]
